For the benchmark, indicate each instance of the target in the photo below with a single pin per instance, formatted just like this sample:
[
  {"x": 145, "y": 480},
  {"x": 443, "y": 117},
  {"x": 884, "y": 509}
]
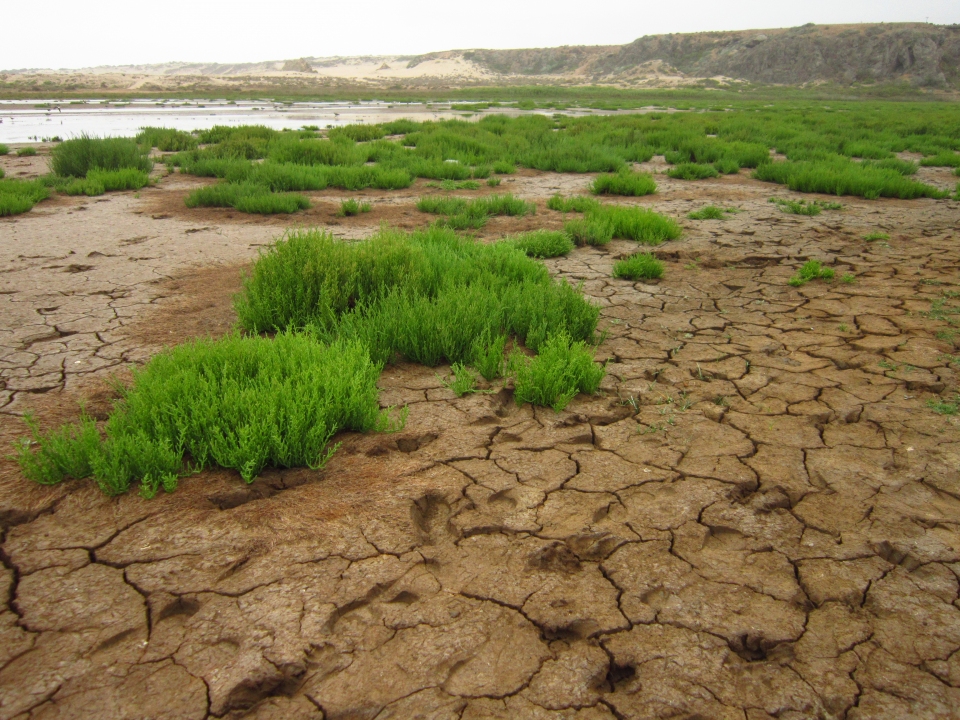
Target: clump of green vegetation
[
  {"x": 166, "y": 139},
  {"x": 426, "y": 297},
  {"x": 561, "y": 370},
  {"x": 589, "y": 231},
  {"x": 465, "y": 215},
  {"x": 811, "y": 270},
  {"x": 77, "y": 157},
  {"x": 351, "y": 207},
  {"x": 803, "y": 207},
  {"x": 455, "y": 185},
  {"x": 4, "y": 149},
  {"x": 248, "y": 198},
  {"x": 97, "y": 182},
  {"x": 638, "y": 224},
  {"x": 2, "y": 174},
  {"x": 464, "y": 380},
  {"x": 26, "y": 151},
  {"x": 577, "y": 203},
  {"x": 542, "y": 243},
  {"x": 876, "y": 235},
  {"x": 504, "y": 167},
  {"x": 944, "y": 158},
  {"x": 841, "y": 176},
  {"x": 710, "y": 212},
  {"x": 945, "y": 407},
  {"x": 493, "y": 182},
  {"x": 624, "y": 182},
  {"x": 240, "y": 402},
  {"x": 19, "y": 196},
  {"x": 637, "y": 266},
  {"x": 848, "y": 279},
  {"x": 692, "y": 171}
]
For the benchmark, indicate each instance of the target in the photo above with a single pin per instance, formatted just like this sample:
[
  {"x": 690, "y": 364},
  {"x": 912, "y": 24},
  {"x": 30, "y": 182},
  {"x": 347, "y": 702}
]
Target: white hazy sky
[{"x": 73, "y": 33}]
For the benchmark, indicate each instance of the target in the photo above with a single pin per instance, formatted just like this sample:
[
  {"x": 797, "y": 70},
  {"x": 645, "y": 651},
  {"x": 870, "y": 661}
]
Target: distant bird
[{"x": 58, "y": 109}]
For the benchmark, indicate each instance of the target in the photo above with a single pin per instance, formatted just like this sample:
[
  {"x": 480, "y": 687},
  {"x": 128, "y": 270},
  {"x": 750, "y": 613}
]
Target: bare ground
[{"x": 757, "y": 518}]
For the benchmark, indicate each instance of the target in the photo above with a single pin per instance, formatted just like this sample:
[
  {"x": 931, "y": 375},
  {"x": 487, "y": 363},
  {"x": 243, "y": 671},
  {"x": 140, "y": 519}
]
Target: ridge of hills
[{"x": 919, "y": 54}]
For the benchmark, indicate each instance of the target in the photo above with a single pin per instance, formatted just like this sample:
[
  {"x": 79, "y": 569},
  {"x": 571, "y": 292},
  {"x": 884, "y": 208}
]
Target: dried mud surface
[{"x": 757, "y": 518}]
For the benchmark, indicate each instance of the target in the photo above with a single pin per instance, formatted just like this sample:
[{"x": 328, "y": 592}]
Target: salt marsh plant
[
  {"x": 4, "y": 149},
  {"x": 945, "y": 158},
  {"x": 352, "y": 207},
  {"x": 638, "y": 224},
  {"x": 577, "y": 203},
  {"x": 876, "y": 235},
  {"x": 75, "y": 158},
  {"x": 166, "y": 139},
  {"x": 542, "y": 243},
  {"x": 843, "y": 177},
  {"x": 692, "y": 171},
  {"x": 248, "y": 198},
  {"x": 803, "y": 207},
  {"x": 19, "y": 196},
  {"x": 638, "y": 266},
  {"x": 811, "y": 270},
  {"x": 710, "y": 212},
  {"x": 26, "y": 151},
  {"x": 562, "y": 369},
  {"x": 97, "y": 182},
  {"x": 624, "y": 182},
  {"x": 589, "y": 231},
  {"x": 240, "y": 402}
]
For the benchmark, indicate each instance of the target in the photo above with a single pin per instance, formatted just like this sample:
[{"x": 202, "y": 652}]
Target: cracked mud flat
[{"x": 792, "y": 552}]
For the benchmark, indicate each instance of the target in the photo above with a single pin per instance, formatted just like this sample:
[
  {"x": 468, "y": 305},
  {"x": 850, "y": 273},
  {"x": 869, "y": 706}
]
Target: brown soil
[{"x": 757, "y": 518}]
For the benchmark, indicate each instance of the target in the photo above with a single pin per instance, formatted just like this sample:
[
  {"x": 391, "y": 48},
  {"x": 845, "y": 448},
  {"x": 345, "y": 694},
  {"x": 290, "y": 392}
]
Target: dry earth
[{"x": 757, "y": 518}]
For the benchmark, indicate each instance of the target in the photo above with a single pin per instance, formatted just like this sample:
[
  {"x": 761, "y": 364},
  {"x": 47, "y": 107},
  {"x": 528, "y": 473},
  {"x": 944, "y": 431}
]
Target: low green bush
[
  {"x": 26, "y": 151},
  {"x": 248, "y": 198},
  {"x": 493, "y": 181},
  {"x": 84, "y": 186},
  {"x": 562, "y": 369},
  {"x": 4, "y": 149},
  {"x": 239, "y": 402},
  {"x": 166, "y": 139},
  {"x": 638, "y": 224},
  {"x": 692, "y": 171},
  {"x": 942, "y": 159},
  {"x": 710, "y": 212},
  {"x": 578, "y": 203},
  {"x": 596, "y": 231},
  {"x": 426, "y": 297},
  {"x": 803, "y": 207},
  {"x": 542, "y": 243},
  {"x": 876, "y": 235},
  {"x": 726, "y": 166},
  {"x": 624, "y": 182},
  {"x": 811, "y": 270},
  {"x": 353, "y": 207},
  {"x": 504, "y": 167},
  {"x": 640, "y": 265},
  {"x": 77, "y": 157},
  {"x": 19, "y": 196},
  {"x": 844, "y": 177}
]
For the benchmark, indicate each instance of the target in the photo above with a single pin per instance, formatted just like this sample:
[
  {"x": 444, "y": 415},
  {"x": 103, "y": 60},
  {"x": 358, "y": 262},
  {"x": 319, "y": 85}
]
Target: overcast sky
[{"x": 73, "y": 34}]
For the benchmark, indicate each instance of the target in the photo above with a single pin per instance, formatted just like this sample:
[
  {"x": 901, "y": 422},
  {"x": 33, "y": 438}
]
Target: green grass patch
[
  {"x": 942, "y": 159},
  {"x": 493, "y": 182},
  {"x": 844, "y": 177},
  {"x": 624, "y": 182},
  {"x": 562, "y": 369},
  {"x": 19, "y": 196},
  {"x": 597, "y": 231},
  {"x": 692, "y": 171},
  {"x": 77, "y": 157},
  {"x": 4, "y": 149},
  {"x": 427, "y": 297},
  {"x": 945, "y": 407},
  {"x": 240, "y": 402},
  {"x": 504, "y": 167},
  {"x": 578, "y": 203},
  {"x": 26, "y": 152},
  {"x": 811, "y": 270},
  {"x": 810, "y": 208},
  {"x": 638, "y": 266},
  {"x": 351, "y": 207},
  {"x": 542, "y": 243},
  {"x": 166, "y": 139},
  {"x": 247, "y": 198},
  {"x": 450, "y": 185},
  {"x": 876, "y": 235},
  {"x": 637, "y": 224},
  {"x": 710, "y": 212}
]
